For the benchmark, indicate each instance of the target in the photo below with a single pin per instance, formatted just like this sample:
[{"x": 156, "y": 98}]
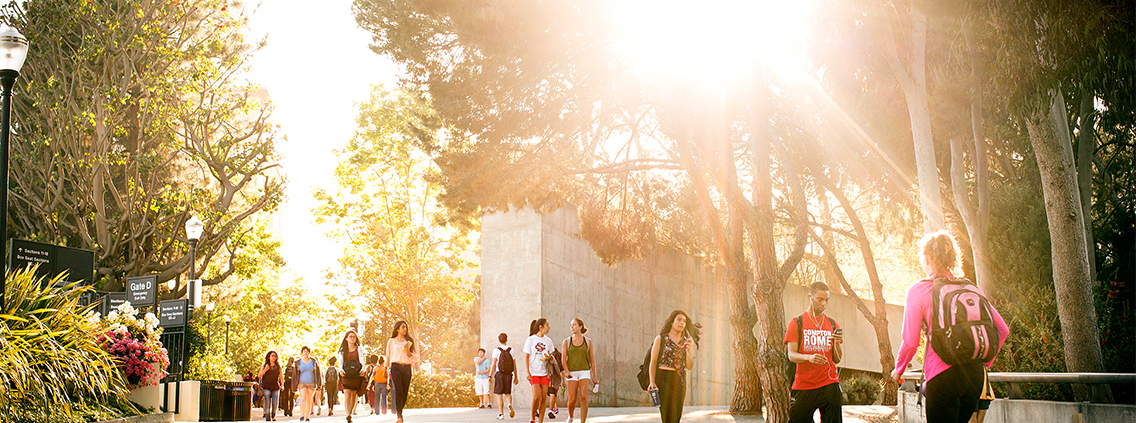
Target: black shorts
[{"x": 503, "y": 383}]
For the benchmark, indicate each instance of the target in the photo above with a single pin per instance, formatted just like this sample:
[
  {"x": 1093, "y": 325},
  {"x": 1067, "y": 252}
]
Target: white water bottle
[{"x": 596, "y": 388}]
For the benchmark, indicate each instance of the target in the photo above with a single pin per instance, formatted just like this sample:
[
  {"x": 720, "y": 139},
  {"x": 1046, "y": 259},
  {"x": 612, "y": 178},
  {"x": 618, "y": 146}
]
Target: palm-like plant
[{"x": 51, "y": 367}]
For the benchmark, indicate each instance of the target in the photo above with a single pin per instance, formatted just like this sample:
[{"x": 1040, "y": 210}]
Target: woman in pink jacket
[{"x": 952, "y": 390}]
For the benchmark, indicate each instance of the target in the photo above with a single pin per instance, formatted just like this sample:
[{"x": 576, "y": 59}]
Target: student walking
[
  {"x": 538, "y": 350},
  {"x": 288, "y": 393},
  {"x": 481, "y": 378},
  {"x": 671, "y": 355},
  {"x": 305, "y": 380},
  {"x": 379, "y": 385},
  {"x": 270, "y": 384},
  {"x": 372, "y": 366},
  {"x": 403, "y": 353},
  {"x": 954, "y": 380},
  {"x": 331, "y": 384},
  {"x": 813, "y": 341},
  {"x": 580, "y": 364},
  {"x": 351, "y": 376},
  {"x": 504, "y": 370},
  {"x": 555, "y": 382}
]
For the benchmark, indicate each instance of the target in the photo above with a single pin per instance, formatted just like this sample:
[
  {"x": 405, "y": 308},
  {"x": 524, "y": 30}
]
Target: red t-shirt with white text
[{"x": 818, "y": 339}]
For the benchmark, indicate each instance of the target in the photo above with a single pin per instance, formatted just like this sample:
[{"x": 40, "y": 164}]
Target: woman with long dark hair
[
  {"x": 952, "y": 391},
  {"x": 538, "y": 350},
  {"x": 579, "y": 362},
  {"x": 402, "y": 353},
  {"x": 270, "y": 384},
  {"x": 671, "y": 355},
  {"x": 354, "y": 383}
]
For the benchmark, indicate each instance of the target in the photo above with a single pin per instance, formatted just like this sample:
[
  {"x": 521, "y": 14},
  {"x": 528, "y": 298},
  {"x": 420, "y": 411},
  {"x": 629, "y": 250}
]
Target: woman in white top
[
  {"x": 579, "y": 363},
  {"x": 538, "y": 350},
  {"x": 402, "y": 353}
]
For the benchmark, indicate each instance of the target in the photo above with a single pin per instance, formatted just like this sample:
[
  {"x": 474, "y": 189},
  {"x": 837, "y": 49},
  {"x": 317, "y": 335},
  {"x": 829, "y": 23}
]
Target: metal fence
[{"x": 1092, "y": 381}]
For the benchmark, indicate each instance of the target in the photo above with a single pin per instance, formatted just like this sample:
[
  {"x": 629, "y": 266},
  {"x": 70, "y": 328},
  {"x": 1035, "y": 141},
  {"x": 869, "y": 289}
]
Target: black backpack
[
  {"x": 505, "y": 362},
  {"x": 962, "y": 323},
  {"x": 644, "y": 375},
  {"x": 792, "y": 368},
  {"x": 352, "y": 368}
]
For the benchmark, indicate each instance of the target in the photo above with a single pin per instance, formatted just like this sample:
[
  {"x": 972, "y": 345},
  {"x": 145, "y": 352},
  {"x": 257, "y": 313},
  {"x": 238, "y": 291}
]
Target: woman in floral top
[{"x": 671, "y": 354}]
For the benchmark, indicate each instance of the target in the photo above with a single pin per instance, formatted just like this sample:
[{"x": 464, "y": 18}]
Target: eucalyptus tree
[
  {"x": 130, "y": 117},
  {"x": 548, "y": 109}
]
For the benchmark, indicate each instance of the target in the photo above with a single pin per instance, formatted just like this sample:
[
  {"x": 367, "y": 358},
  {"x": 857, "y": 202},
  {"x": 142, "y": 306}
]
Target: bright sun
[{"x": 713, "y": 42}]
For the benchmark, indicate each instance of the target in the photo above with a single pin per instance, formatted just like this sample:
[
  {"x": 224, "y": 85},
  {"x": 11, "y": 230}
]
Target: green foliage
[
  {"x": 131, "y": 119},
  {"x": 406, "y": 265},
  {"x": 266, "y": 315},
  {"x": 860, "y": 388},
  {"x": 432, "y": 390},
  {"x": 52, "y": 368}
]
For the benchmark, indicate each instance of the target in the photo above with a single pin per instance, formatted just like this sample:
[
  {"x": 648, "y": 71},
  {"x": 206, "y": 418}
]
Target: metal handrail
[{"x": 1015, "y": 379}]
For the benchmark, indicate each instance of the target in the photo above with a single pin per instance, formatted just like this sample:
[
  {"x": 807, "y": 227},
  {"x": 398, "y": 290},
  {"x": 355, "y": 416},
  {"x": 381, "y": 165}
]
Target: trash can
[
  {"x": 238, "y": 401},
  {"x": 212, "y": 401}
]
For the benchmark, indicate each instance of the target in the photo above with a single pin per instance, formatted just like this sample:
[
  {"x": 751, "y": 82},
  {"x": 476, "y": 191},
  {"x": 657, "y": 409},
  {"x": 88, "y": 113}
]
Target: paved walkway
[{"x": 852, "y": 414}]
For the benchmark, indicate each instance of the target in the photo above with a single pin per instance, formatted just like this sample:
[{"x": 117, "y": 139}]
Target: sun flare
[{"x": 714, "y": 42}]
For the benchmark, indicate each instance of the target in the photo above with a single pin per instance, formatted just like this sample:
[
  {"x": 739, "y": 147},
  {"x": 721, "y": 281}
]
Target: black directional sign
[
  {"x": 52, "y": 260},
  {"x": 142, "y": 291},
  {"x": 172, "y": 313},
  {"x": 110, "y": 301}
]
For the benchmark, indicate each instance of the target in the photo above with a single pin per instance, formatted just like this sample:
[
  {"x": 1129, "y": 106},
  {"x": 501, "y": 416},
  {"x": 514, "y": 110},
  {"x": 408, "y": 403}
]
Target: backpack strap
[{"x": 800, "y": 332}]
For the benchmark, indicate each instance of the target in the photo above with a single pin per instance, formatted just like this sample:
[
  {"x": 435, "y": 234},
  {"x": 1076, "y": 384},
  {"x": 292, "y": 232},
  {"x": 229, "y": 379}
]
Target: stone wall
[{"x": 537, "y": 266}]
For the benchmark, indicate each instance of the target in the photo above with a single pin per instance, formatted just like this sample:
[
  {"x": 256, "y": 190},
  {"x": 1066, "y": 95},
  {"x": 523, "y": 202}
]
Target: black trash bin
[
  {"x": 238, "y": 401},
  {"x": 212, "y": 401}
]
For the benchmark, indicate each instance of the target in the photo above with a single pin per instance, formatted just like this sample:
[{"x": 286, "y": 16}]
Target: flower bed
[{"x": 134, "y": 345}]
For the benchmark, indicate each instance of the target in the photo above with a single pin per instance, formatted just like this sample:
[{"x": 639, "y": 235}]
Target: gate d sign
[{"x": 142, "y": 291}]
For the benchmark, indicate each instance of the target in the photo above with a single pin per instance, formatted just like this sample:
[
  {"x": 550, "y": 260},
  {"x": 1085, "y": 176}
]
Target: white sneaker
[
  {"x": 569, "y": 420},
  {"x": 500, "y": 417}
]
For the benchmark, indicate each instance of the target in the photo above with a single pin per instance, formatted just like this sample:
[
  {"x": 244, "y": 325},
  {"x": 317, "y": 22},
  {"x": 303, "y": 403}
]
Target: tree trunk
[
  {"x": 879, "y": 321},
  {"x": 1086, "y": 149},
  {"x": 976, "y": 214},
  {"x": 747, "y": 382},
  {"x": 730, "y": 243},
  {"x": 1075, "y": 306},
  {"x": 768, "y": 287},
  {"x": 912, "y": 77}
]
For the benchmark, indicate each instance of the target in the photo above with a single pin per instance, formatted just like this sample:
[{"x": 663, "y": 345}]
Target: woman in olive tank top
[{"x": 579, "y": 362}]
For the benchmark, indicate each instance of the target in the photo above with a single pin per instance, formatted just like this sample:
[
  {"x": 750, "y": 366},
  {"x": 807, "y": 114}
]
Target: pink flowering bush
[{"x": 134, "y": 345}]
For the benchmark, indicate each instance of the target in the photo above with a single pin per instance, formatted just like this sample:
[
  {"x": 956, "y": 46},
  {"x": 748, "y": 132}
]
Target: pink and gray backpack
[{"x": 962, "y": 323}]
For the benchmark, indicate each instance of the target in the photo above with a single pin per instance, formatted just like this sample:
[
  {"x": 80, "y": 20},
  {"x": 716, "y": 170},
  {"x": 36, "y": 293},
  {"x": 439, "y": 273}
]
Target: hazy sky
[{"x": 316, "y": 66}]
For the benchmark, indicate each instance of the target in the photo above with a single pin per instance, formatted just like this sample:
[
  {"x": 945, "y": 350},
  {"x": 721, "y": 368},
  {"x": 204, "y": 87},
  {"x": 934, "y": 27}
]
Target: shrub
[
  {"x": 51, "y": 367},
  {"x": 860, "y": 388},
  {"x": 134, "y": 345},
  {"x": 432, "y": 390}
]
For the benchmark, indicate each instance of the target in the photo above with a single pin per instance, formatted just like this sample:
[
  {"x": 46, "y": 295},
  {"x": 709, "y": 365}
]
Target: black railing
[{"x": 1093, "y": 381}]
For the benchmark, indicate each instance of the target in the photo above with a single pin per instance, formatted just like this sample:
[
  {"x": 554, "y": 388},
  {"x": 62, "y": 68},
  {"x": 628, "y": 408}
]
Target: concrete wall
[{"x": 537, "y": 266}]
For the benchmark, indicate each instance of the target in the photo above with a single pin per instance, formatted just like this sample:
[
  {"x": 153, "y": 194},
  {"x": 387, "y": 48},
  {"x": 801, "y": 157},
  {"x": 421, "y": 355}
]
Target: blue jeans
[
  {"x": 381, "y": 395},
  {"x": 271, "y": 403}
]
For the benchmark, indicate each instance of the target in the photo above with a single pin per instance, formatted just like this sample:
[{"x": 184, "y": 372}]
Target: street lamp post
[
  {"x": 13, "y": 51},
  {"x": 193, "y": 229},
  {"x": 227, "y": 320}
]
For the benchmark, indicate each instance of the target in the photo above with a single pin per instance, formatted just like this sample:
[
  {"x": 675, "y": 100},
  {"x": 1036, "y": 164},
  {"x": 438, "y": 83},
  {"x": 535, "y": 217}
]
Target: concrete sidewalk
[{"x": 852, "y": 414}]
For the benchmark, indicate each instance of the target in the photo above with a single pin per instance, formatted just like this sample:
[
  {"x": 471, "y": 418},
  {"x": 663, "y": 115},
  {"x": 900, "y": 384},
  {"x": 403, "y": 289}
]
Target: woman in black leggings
[{"x": 402, "y": 354}]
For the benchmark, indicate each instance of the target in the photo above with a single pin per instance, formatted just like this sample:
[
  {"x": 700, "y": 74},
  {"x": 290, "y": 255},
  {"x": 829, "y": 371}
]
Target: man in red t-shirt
[{"x": 813, "y": 342}]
